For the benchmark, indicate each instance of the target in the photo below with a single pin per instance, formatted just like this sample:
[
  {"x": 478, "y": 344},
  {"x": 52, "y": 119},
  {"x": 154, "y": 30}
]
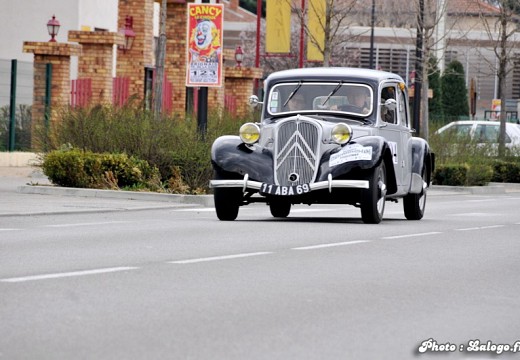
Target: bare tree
[{"x": 501, "y": 29}]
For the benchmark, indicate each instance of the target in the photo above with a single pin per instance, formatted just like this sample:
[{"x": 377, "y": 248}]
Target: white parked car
[{"x": 481, "y": 132}]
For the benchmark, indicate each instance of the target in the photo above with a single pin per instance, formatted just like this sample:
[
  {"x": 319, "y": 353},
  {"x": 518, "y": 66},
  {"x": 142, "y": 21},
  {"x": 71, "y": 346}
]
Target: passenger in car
[
  {"x": 297, "y": 103},
  {"x": 358, "y": 100}
]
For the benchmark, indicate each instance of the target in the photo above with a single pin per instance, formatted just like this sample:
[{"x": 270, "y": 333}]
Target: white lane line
[
  {"x": 87, "y": 224},
  {"x": 216, "y": 258},
  {"x": 480, "y": 228},
  {"x": 411, "y": 235},
  {"x": 320, "y": 246},
  {"x": 68, "y": 274},
  {"x": 492, "y": 226},
  {"x": 7, "y": 229}
]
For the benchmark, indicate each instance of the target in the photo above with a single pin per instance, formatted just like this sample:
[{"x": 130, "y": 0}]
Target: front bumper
[{"x": 330, "y": 184}]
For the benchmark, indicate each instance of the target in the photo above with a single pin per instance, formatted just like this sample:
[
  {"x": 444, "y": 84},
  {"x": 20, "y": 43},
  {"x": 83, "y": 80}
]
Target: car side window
[
  {"x": 489, "y": 134},
  {"x": 387, "y": 115}
]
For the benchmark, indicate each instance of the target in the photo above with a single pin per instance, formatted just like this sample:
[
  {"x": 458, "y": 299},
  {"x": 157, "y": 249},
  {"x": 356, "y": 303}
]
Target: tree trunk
[{"x": 157, "y": 99}]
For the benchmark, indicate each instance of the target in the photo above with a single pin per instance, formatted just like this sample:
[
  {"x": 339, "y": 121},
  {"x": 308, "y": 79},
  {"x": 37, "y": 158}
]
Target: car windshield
[{"x": 300, "y": 97}]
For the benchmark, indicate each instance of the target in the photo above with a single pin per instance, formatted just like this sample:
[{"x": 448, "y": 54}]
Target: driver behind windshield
[
  {"x": 296, "y": 103},
  {"x": 358, "y": 98}
]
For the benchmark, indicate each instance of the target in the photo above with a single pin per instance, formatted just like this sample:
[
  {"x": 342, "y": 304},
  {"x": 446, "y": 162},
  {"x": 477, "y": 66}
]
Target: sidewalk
[{"x": 16, "y": 182}]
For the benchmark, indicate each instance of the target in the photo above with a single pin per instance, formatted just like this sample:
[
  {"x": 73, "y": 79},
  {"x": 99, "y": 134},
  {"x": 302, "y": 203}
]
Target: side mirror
[
  {"x": 390, "y": 104},
  {"x": 254, "y": 101}
]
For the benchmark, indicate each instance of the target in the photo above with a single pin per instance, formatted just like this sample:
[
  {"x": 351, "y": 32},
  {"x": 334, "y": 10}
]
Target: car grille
[{"x": 296, "y": 152}]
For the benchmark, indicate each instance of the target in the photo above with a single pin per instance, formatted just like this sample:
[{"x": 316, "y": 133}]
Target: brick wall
[
  {"x": 96, "y": 61},
  {"x": 175, "y": 63},
  {"x": 132, "y": 63},
  {"x": 240, "y": 84},
  {"x": 57, "y": 54}
]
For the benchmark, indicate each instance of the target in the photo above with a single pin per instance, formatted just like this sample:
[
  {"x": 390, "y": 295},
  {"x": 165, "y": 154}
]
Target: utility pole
[
  {"x": 372, "y": 25},
  {"x": 202, "y": 105},
  {"x": 418, "y": 69},
  {"x": 159, "y": 66}
]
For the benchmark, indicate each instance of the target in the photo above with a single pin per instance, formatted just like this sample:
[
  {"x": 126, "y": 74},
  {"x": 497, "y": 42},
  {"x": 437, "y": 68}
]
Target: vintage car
[{"x": 326, "y": 136}]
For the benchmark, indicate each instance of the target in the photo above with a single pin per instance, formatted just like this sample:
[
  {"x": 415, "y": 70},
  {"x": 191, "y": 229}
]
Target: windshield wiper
[
  {"x": 292, "y": 93},
  {"x": 332, "y": 93}
]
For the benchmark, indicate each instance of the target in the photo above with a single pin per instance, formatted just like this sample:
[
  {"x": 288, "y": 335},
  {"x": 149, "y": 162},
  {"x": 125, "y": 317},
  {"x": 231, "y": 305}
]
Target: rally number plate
[{"x": 269, "y": 189}]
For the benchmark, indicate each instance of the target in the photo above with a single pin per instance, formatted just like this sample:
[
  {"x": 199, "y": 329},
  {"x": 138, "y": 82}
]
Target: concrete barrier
[{"x": 17, "y": 159}]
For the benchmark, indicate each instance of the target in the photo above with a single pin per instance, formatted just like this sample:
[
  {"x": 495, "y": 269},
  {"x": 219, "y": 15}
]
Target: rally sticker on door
[{"x": 353, "y": 152}]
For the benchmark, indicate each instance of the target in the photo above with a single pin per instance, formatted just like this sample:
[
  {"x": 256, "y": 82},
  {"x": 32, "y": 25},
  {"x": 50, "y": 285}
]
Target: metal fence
[{"x": 16, "y": 91}]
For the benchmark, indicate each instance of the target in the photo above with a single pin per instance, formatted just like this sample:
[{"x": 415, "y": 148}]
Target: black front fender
[
  {"x": 352, "y": 169},
  {"x": 230, "y": 154}
]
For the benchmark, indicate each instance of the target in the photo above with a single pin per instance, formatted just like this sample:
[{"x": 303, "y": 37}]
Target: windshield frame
[{"x": 315, "y": 93}]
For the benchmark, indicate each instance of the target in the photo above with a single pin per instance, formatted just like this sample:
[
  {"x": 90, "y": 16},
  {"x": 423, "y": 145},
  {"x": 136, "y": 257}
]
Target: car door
[{"x": 394, "y": 128}]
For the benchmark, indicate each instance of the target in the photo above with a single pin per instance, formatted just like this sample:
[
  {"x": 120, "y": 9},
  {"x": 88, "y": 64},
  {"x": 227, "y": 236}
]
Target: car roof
[
  {"x": 510, "y": 126},
  {"x": 334, "y": 74}
]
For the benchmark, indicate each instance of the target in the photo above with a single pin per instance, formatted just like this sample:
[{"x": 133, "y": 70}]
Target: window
[
  {"x": 488, "y": 134},
  {"x": 388, "y": 115}
]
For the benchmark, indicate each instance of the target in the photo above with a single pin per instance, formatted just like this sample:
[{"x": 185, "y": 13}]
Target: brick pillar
[
  {"x": 132, "y": 63},
  {"x": 96, "y": 62},
  {"x": 239, "y": 82},
  {"x": 57, "y": 54},
  {"x": 175, "y": 68}
]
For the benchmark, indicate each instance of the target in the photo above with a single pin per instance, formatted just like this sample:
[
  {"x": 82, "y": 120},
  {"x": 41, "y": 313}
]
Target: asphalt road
[{"x": 175, "y": 283}]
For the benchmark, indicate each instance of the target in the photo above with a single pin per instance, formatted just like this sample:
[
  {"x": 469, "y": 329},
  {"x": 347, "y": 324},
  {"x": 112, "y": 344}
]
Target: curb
[{"x": 201, "y": 200}]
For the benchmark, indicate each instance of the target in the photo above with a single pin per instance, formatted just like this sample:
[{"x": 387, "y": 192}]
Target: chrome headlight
[
  {"x": 249, "y": 133},
  {"x": 341, "y": 133}
]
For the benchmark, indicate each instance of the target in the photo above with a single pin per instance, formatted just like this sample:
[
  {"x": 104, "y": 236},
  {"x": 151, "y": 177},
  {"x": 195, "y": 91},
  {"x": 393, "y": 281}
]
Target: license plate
[{"x": 269, "y": 189}]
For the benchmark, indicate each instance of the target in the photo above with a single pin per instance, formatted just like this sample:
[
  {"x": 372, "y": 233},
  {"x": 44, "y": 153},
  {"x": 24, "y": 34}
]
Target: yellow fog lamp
[
  {"x": 249, "y": 133},
  {"x": 341, "y": 133}
]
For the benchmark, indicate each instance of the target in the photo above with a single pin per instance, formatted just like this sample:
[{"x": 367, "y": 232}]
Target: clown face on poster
[{"x": 205, "y": 43}]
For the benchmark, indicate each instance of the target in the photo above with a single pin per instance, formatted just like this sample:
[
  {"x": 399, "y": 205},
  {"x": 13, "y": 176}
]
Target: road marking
[
  {"x": 472, "y": 214},
  {"x": 87, "y": 224},
  {"x": 481, "y": 228},
  {"x": 320, "y": 246},
  {"x": 216, "y": 258},
  {"x": 7, "y": 229},
  {"x": 411, "y": 235},
  {"x": 68, "y": 274}
]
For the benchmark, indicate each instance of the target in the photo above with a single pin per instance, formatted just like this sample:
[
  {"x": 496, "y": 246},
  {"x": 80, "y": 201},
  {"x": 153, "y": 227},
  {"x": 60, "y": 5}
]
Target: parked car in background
[
  {"x": 326, "y": 135},
  {"x": 480, "y": 132}
]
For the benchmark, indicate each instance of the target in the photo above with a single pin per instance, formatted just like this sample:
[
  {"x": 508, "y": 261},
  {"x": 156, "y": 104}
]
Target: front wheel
[
  {"x": 415, "y": 204},
  {"x": 373, "y": 199},
  {"x": 227, "y": 202}
]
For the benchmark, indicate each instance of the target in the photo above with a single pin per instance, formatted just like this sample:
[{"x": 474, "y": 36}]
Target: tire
[
  {"x": 373, "y": 199},
  {"x": 415, "y": 204},
  {"x": 280, "y": 208},
  {"x": 227, "y": 202}
]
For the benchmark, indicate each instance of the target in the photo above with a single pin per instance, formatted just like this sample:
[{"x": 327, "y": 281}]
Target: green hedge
[
  {"x": 172, "y": 145},
  {"x": 477, "y": 174},
  {"x": 85, "y": 169}
]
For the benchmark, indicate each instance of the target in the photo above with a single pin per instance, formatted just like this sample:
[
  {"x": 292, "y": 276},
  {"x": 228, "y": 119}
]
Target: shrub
[
  {"x": 85, "y": 169},
  {"x": 172, "y": 145},
  {"x": 479, "y": 174},
  {"x": 450, "y": 175},
  {"x": 506, "y": 171}
]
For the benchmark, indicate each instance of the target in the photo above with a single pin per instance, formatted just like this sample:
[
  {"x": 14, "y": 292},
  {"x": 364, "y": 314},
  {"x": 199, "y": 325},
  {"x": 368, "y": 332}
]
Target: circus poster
[{"x": 205, "y": 44}]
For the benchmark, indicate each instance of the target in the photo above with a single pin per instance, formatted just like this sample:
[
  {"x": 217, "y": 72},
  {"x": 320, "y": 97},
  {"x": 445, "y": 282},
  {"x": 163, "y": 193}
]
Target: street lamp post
[
  {"x": 128, "y": 32},
  {"x": 53, "y": 27},
  {"x": 239, "y": 56}
]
